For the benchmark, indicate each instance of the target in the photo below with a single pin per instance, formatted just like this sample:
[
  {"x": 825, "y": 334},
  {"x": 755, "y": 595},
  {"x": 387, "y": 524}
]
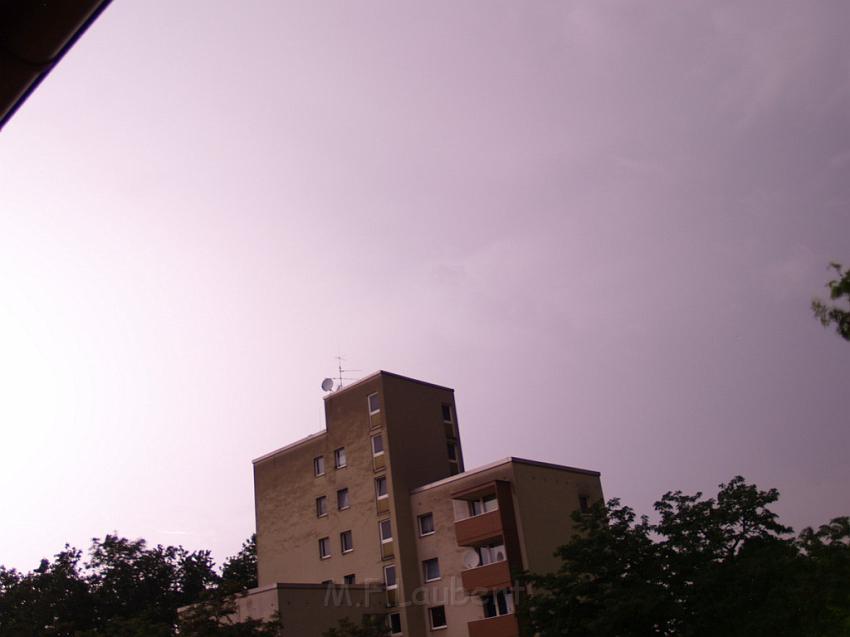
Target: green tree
[
  {"x": 54, "y": 599},
  {"x": 130, "y": 581},
  {"x": 608, "y": 582},
  {"x": 124, "y": 589},
  {"x": 369, "y": 626},
  {"x": 239, "y": 571},
  {"x": 834, "y": 313},
  {"x": 709, "y": 566},
  {"x": 828, "y": 589}
]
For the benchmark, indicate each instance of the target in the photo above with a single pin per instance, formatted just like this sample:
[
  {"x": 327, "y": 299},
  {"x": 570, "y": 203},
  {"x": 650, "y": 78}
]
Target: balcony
[
  {"x": 503, "y": 626},
  {"x": 487, "y": 578},
  {"x": 473, "y": 530}
]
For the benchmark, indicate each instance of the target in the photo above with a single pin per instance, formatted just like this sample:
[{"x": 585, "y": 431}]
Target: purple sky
[{"x": 601, "y": 223}]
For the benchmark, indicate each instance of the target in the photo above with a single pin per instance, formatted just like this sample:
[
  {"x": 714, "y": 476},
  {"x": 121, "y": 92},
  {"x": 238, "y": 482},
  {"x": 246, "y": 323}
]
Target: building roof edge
[
  {"x": 290, "y": 446},
  {"x": 497, "y": 463},
  {"x": 383, "y": 372},
  {"x": 552, "y": 465},
  {"x": 459, "y": 476}
]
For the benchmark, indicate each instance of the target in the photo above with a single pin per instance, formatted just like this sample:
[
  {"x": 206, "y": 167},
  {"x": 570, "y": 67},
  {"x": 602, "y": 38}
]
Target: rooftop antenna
[{"x": 328, "y": 383}]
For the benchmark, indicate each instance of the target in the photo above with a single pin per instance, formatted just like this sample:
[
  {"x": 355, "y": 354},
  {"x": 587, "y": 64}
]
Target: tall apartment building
[{"x": 380, "y": 504}]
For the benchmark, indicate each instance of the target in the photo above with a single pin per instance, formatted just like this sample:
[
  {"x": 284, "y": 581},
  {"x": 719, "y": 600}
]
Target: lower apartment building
[{"x": 377, "y": 514}]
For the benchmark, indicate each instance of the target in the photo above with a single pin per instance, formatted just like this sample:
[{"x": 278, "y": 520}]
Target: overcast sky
[{"x": 602, "y": 223}]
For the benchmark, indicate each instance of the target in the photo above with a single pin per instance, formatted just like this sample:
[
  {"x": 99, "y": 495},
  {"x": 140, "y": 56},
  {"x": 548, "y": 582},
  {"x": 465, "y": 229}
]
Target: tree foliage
[
  {"x": 829, "y": 314},
  {"x": 124, "y": 588},
  {"x": 239, "y": 572},
  {"x": 707, "y": 567}
]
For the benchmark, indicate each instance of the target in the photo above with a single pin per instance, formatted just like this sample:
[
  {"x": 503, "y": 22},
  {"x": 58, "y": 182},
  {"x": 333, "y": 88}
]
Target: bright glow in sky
[{"x": 602, "y": 224}]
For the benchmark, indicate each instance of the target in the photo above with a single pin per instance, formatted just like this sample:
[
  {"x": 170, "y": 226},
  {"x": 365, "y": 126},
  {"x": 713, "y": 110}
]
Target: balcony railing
[
  {"x": 486, "y": 578},
  {"x": 476, "y": 529},
  {"x": 502, "y": 626}
]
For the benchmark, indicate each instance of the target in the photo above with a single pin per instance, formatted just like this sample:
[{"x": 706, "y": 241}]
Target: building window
[
  {"x": 377, "y": 445},
  {"x": 447, "y": 413},
  {"x": 389, "y": 577},
  {"x": 426, "y": 524},
  {"x": 321, "y": 506},
  {"x": 584, "y": 503},
  {"x": 319, "y": 466},
  {"x": 484, "y": 505},
  {"x": 324, "y": 548},
  {"x": 386, "y": 531},
  {"x": 498, "y": 603},
  {"x": 348, "y": 580},
  {"x": 437, "y": 614},
  {"x": 346, "y": 542},
  {"x": 381, "y": 487},
  {"x": 431, "y": 569},
  {"x": 342, "y": 499},
  {"x": 452, "y": 451},
  {"x": 327, "y": 582},
  {"x": 374, "y": 404},
  {"x": 490, "y": 553},
  {"x": 394, "y": 622},
  {"x": 339, "y": 458}
]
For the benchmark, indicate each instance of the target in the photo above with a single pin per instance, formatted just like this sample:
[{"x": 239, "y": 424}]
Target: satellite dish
[
  {"x": 471, "y": 559},
  {"x": 328, "y": 384}
]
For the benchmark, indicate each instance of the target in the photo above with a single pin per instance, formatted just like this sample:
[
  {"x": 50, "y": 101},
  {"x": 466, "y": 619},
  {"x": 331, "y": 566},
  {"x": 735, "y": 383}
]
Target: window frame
[
  {"x": 419, "y": 519},
  {"x": 339, "y": 453},
  {"x": 324, "y": 512},
  {"x": 380, "y": 437},
  {"x": 394, "y": 585},
  {"x": 445, "y": 623},
  {"x": 318, "y": 460},
  {"x": 390, "y": 623},
  {"x": 480, "y": 503},
  {"x": 339, "y": 494},
  {"x": 507, "y": 596},
  {"x": 385, "y": 540},
  {"x": 435, "y": 562},
  {"x": 342, "y": 536},
  {"x": 349, "y": 580},
  {"x": 451, "y": 451},
  {"x": 490, "y": 550},
  {"x": 324, "y": 548},
  {"x": 583, "y": 503},
  {"x": 372, "y": 412},
  {"x": 386, "y": 494},
  {"x": 447, "y": 407}
]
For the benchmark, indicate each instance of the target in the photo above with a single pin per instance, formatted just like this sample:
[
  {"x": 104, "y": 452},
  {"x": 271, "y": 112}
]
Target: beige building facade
[{"x": 381, "y": 498}]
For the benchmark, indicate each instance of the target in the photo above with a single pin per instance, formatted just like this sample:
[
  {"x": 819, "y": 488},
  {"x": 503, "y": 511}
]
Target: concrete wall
[
  {"x": 415, "y": 444},
  {"x": 460, "y": 607},
  {"x": 286, "y": 489},
  {"x": 308, "y": 610},
  {"x": 537, "y": 498},
  {"x": 542, "y": 497},
  {"x": 546, "y": 497},
  {"x": 418, "y": 455}
]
